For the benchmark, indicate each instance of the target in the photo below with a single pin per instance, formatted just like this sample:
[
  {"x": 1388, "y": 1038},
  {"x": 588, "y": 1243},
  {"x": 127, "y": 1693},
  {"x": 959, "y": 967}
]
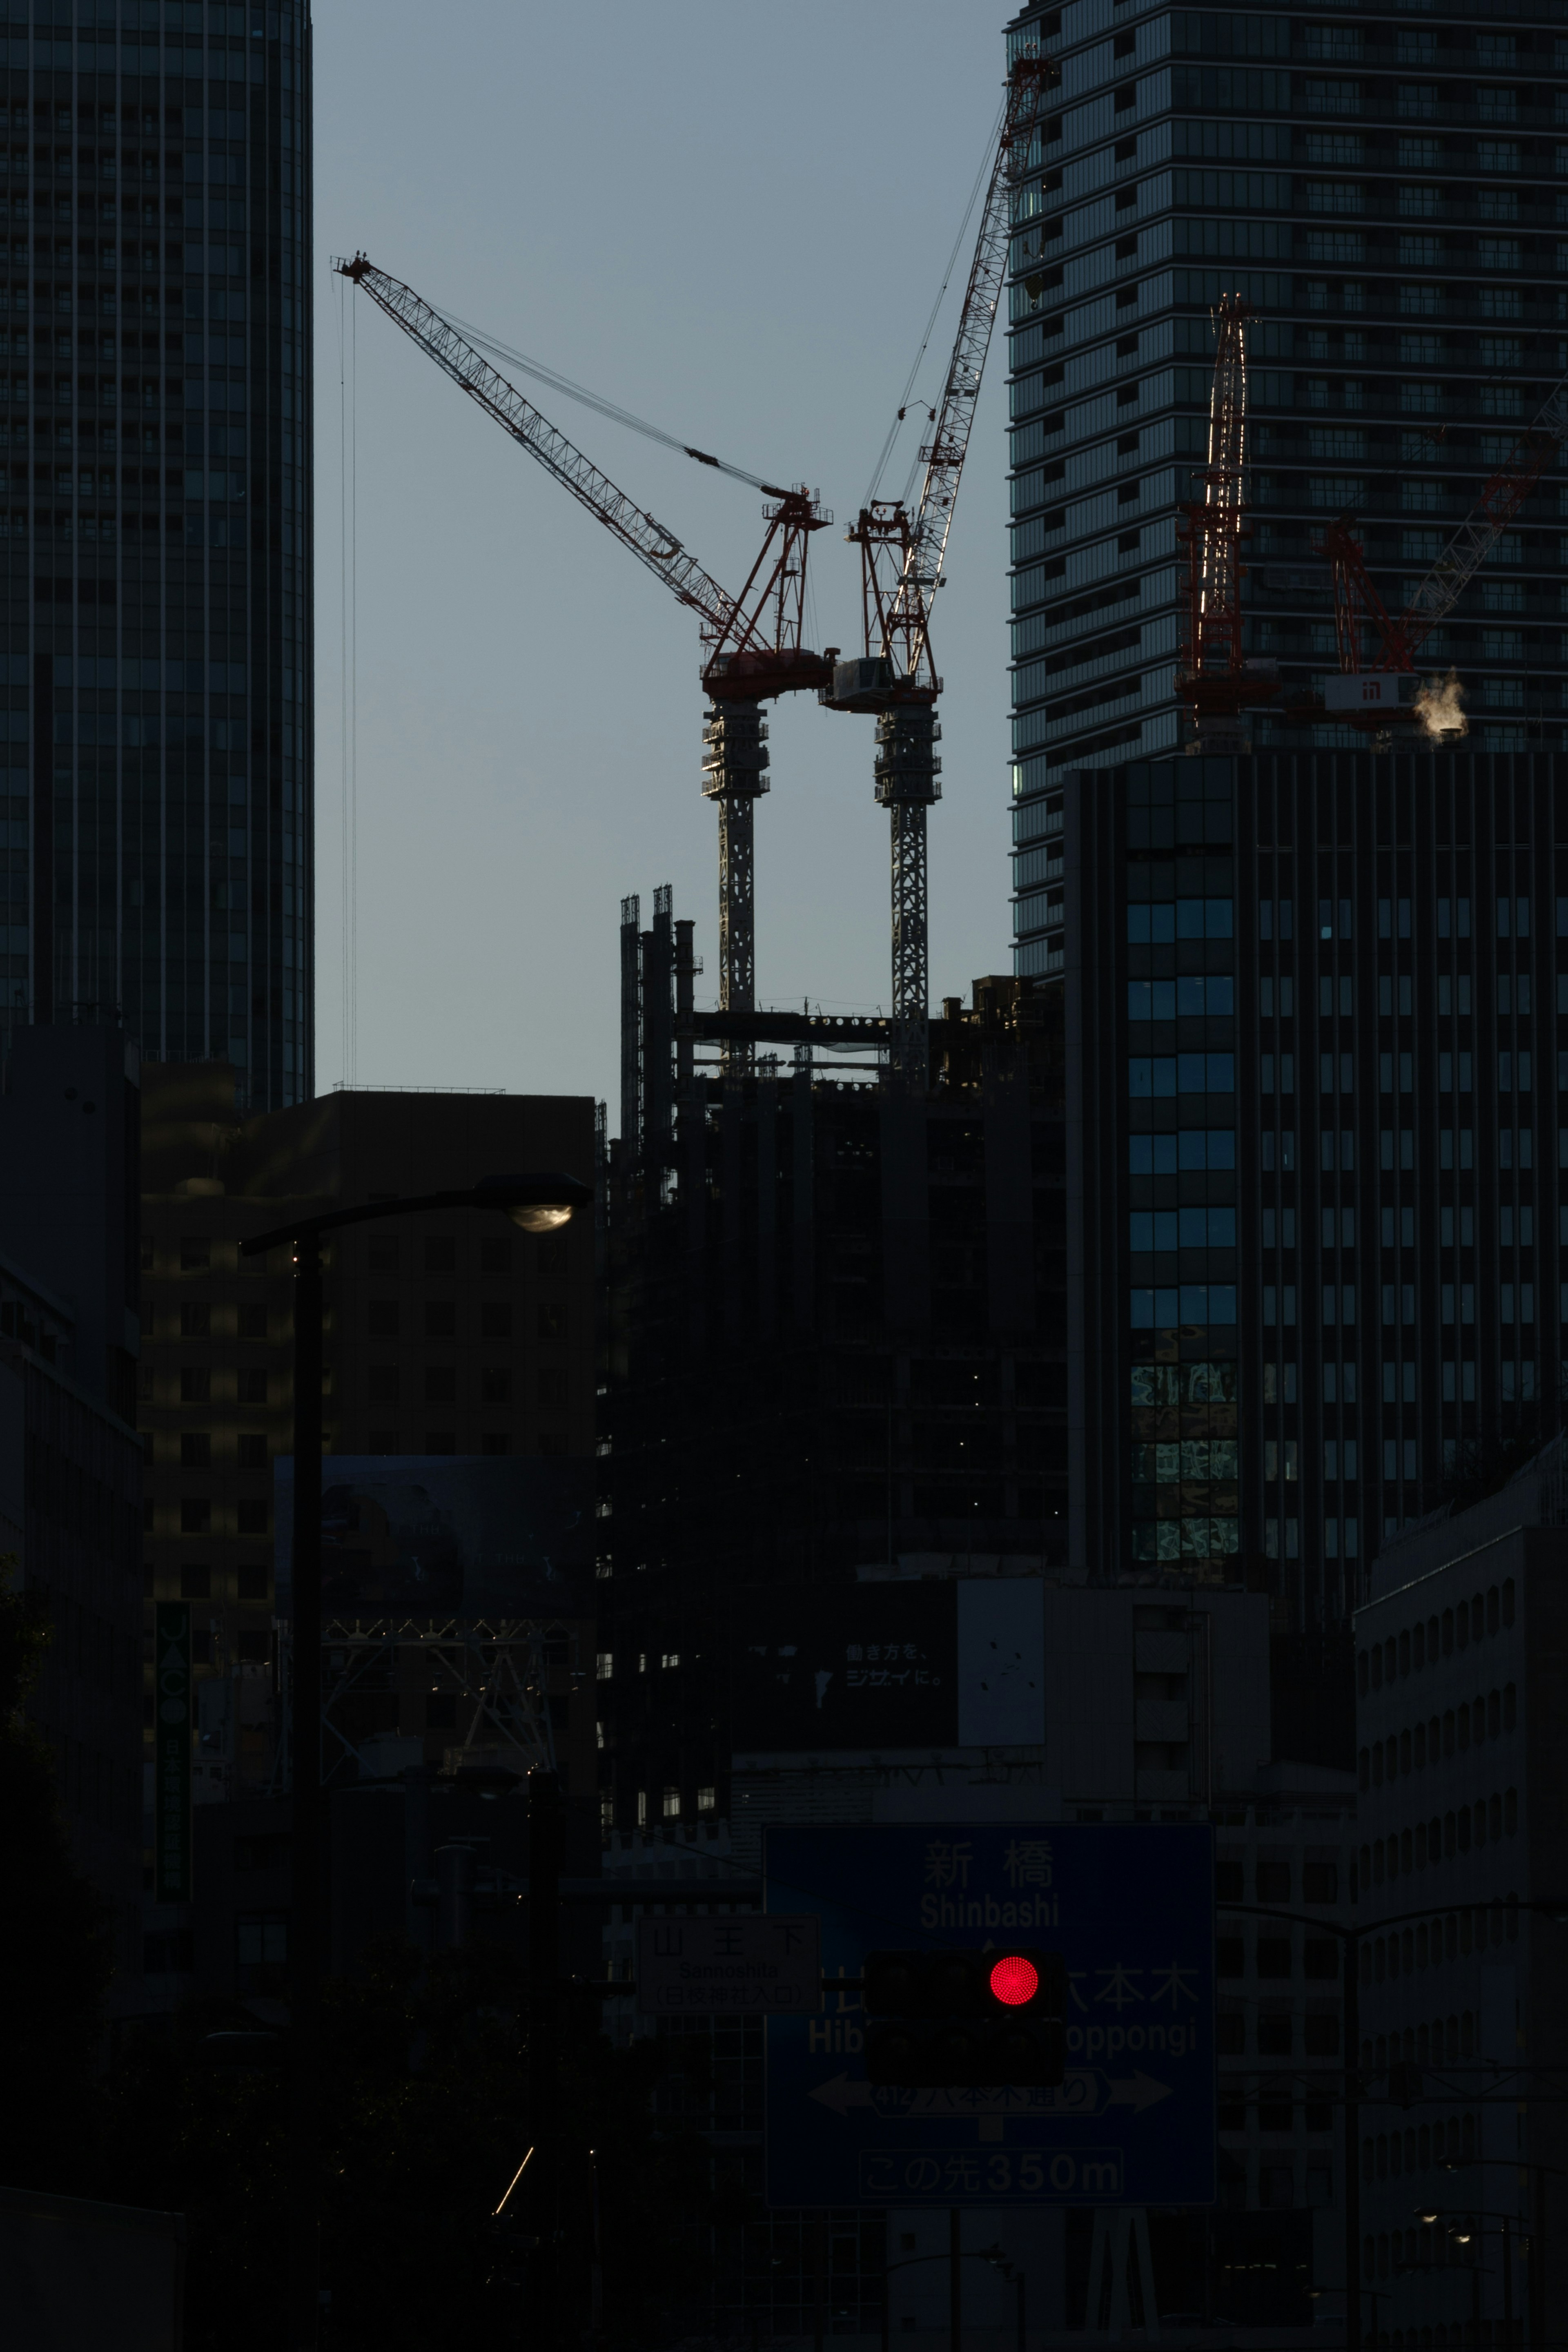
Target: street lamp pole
[
  {"x": 537, "y": 1203},
  {"x": 306, "y": 1938}
]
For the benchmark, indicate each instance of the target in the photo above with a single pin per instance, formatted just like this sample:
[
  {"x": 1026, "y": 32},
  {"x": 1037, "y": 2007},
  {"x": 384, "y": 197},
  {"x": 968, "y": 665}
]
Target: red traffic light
[{"x": 1015, "y": 1980}]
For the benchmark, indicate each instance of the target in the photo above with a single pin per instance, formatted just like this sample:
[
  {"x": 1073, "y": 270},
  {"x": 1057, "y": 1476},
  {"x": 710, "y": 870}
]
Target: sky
[{"x": 733, "y": 222}]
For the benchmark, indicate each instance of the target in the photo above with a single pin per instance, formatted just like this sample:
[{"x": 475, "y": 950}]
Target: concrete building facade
[{"x": 1463, "y": 1845}]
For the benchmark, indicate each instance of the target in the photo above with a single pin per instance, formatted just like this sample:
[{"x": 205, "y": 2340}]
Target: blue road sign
[{"x": 1131, "y": 1909}]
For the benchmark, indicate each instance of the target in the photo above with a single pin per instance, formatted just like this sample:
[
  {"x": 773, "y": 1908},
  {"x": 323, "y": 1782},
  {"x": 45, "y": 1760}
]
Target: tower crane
[
  {"x": 752, "y": 648},
  {"x": 1213, "y": 676},
  {"x": 901, "y": 570},
  {"x": 1373, "y": 694}
]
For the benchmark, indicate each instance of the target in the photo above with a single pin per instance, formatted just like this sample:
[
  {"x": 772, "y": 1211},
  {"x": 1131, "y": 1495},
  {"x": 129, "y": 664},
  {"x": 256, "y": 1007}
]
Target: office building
[
  {"x": 451, "y": 1335},
  {"x": 70, "y": 1461},
  {"x": 155, "y": 598},
  {"x": 1378, "y": 185},
  {"x": 445, "y": 1336},
  {"x": 1459, "y": 1724},
  {"x": 1314, "y": 1249}
]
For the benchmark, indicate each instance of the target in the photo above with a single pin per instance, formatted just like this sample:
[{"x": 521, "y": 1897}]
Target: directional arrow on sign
[{"x": 1087, "y": 2091}]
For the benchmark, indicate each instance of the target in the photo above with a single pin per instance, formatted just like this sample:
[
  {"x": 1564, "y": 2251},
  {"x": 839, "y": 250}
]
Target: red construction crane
[
  {"x": 752, "y": 642},
  {"x": 1213, "y": 676},
  {"x": 1368, "y": 694},
  {"x": 901, "y": 570}
]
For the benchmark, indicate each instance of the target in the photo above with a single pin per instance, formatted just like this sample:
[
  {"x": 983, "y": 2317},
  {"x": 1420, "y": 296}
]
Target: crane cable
[
  {"x": 555, "y": 381},
  {"x": 981, "y": 177}
]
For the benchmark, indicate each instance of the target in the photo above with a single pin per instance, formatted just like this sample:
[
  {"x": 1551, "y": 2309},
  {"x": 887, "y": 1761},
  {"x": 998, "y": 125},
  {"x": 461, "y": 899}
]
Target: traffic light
[{"x": 948, "y": 2018}]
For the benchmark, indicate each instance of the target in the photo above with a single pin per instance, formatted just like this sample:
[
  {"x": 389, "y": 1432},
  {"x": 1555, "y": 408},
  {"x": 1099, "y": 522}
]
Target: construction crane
[
  {"x": 1372, "y": 697},
  {"x": 1214, "y": 678},
  {"x": 900, "y": 570},
  {"x": 752, "y": 648}
]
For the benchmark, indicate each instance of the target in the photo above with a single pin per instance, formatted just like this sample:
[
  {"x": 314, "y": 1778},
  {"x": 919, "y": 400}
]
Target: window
[
  {"x": 253, "y": 1322},
  {"x": 496, "y": 1384},
  {"x": 195, "y": 1320},
  {"x": 195, "y": 1449},
  {"x": 195, "y": 1584},
  {"x": 382, "y": 1319},
  {"x": 252, "y": 1518},
  {"x": 496, "y": 1319},
  {"x": 195, "y": 1384},
  {"x": 440, "y": 1385},
  {"x": 1335, "y": 196},
  {"x": 440, "y": 1318},
  {"x": 496, "y": 1257},
  {"x": 552, "y": 1322},
  {"x": 551, "y": 1386},
  {"x": 196, "y": 1252},
  {"x": 195, "y": 1516},
  {"x": 252, "y": 1387},
  {"x": 440, "y": 1253},
  {"x": 251, "y": 1449},
  {"x": 1333, "y": 97},
  {"x": 383, "y": 1385}
]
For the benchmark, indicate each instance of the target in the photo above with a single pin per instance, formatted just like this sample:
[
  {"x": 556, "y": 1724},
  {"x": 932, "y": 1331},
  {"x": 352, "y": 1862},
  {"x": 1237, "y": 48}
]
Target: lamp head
[
  {"x": 1427, "y": 2218},
  {"x": 536, "y": 1204}
]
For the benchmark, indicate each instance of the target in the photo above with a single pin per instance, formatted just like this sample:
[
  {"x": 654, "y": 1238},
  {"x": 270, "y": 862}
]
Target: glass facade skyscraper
[
  {"x": 1379, "y": 184},
  {"x": 155, "y": 521}
]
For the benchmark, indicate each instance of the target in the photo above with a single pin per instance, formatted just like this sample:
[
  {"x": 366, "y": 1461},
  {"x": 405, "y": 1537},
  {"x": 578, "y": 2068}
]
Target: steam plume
[{"x": 1439, "y": 707}]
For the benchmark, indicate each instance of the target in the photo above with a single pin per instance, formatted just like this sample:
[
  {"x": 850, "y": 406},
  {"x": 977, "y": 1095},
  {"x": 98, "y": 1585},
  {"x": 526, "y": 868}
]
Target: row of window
[
  {"x": 1275, "y": 2037},
  {"x": 1396, "y": 1856},
  {"x": 1422, "y": 1645},
  {"x": 1451, "y": 1734},
  {"x": 1387, "y": 2155},
  {"x": 1430, "y": 1945}
]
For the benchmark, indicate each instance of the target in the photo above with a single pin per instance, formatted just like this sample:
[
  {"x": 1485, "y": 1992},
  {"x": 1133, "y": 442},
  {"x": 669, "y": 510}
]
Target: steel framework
[
  {"x": 900, "y": 570},
  {"x": 752, "y": 642},
  {"x": 497, "y": 1666},
  {"x": 1212, "y": 677}
]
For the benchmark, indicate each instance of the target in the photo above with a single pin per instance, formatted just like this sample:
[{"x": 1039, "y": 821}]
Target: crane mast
[
  {"x": 900, "y": 570},
  {"x": 1213, "y": 676},
  {"x": 752, "y": 642}
]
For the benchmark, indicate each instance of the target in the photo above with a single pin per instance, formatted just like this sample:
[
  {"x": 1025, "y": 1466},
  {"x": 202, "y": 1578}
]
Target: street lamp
[
  {"x": 1537, "y": 2268},
  {"x": 536, "y": 1203},
  {"x": 1463, "y": 2231}
]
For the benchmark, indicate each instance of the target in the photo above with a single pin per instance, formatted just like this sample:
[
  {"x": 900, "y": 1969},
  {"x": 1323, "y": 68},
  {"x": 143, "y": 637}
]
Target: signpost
[
  {"x": 172, "y": 1800},
  {"x": 750, "y": 1967},
  {"x": 1130, "y": 1907}
]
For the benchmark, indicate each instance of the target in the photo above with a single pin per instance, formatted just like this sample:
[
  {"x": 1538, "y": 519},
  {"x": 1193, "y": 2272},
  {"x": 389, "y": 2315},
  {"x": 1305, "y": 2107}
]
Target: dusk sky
[{"x": 733, "y": 222}]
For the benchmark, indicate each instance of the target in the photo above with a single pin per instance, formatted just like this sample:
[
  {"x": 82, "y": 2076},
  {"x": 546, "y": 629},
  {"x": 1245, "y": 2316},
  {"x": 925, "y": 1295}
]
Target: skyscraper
[
  {"x": 1377, "y": 186},
  {"x": 155, "y": 639}
]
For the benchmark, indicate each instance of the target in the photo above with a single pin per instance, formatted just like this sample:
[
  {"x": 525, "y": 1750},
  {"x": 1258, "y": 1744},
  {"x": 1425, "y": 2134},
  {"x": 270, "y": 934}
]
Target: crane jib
[{"x": 656, "y": 548}]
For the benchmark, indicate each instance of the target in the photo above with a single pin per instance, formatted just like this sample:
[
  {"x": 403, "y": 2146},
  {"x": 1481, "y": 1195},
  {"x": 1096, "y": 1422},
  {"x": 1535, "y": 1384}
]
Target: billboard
[
  {"x": 914, "y": 1663},
  {"x": 1130, "y": 1907},
  {"x": 446, "y": 1535}
]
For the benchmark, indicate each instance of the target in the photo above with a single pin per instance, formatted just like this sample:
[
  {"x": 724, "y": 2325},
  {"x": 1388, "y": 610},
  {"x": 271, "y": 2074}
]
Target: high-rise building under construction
[
  {"x": 156, "y": 514},
  {"x": 1378, "y": 186}
]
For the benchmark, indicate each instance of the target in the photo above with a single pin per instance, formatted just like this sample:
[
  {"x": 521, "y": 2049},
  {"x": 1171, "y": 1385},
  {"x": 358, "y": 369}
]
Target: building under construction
[{"x": 836, "y": 1328}]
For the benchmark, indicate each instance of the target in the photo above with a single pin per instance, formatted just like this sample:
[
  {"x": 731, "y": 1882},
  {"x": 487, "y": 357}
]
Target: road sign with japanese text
[
  {"x": 746, "y": 1966},
  {"x": 1130, "y": 1905}
]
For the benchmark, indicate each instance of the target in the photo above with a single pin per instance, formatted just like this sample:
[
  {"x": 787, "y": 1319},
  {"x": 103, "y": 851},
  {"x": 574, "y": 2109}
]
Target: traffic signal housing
[{"x": 982, "y": 2020}]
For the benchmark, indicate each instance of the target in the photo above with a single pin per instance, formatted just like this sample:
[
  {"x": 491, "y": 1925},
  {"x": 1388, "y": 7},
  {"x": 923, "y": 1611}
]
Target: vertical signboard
[{"x": 171, "y": 1795}]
